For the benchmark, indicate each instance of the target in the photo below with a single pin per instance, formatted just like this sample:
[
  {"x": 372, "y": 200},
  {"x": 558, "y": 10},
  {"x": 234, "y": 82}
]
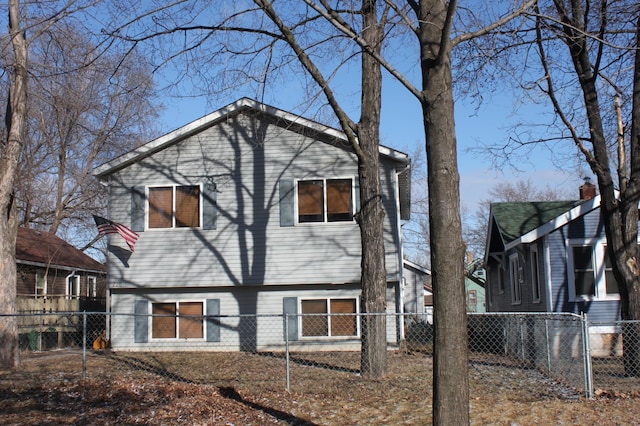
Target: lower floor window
[
  {"x": 177, "y": 320},
  {"x": 329, "y": 317}
]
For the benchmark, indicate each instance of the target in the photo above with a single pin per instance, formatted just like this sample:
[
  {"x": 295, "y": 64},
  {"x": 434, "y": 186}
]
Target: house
[
  {"x": 54, "y": 277},
  {"x": 248, "y": 210},
  {"x": 551, "y": 257},
  {"x": 416, "y": 281},
  {"x": 474, "y": 283}
]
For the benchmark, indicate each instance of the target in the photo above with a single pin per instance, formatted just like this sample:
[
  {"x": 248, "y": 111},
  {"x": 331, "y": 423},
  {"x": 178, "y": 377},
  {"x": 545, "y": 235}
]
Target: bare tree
[
  {"x": 15, "y": 121},
  {"x": 85, "y": 106}
]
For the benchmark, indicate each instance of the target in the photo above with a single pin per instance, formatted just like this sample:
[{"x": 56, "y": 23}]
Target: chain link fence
[{"x": 280, "y": 349}]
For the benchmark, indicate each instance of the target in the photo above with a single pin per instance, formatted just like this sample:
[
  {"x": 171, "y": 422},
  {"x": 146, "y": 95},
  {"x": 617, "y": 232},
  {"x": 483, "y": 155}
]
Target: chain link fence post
[
  {"x": 286, "y": 351},
  {"x": 84, "y": 345},
  {"x": 588, "y": 373}
]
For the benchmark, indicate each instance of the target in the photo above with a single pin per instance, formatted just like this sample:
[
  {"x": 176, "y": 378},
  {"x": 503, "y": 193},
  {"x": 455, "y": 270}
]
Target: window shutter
[
  {"x": 287, "y": 202},
  {"x": 357, "y": 193},
  {"x": 209, "y": 206},
  {"x": 290, "y": 307},
  {"x": 141, "y": 321},
  {"x": 213, "y": 320},
  {"x": 137, "y": 208}
]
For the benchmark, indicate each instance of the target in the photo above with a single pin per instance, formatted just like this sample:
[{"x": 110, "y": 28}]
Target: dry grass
[{"x": 249, "y": 389}]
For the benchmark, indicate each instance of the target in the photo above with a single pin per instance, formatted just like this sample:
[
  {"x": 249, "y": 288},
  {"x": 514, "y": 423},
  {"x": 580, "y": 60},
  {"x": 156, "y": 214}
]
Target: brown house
[{"x": 54, "y": 276}]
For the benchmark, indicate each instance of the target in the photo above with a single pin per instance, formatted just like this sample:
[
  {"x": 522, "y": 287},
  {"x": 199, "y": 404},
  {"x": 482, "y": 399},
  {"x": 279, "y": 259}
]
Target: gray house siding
[{"x": 249, "y": 246}]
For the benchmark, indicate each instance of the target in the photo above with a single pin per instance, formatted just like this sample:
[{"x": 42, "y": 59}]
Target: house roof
[
  {"x": 285, "y": 118},
  {"x": 525, "y": 222},
  {"x": 46, "y": 249}
]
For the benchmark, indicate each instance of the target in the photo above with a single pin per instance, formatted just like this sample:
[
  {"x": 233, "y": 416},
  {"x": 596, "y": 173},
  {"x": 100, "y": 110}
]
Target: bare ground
[{"x": 250, "y": 389}]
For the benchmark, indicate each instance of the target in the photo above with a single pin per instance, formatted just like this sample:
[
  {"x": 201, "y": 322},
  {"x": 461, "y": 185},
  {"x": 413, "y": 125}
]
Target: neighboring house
[
  {"x": 248, "y": 210},
  {"x": 551, "y": 257},
  {"x": 54, "y": 277},
  {"x": 416, "y": 280},
  {"x": 474, "y": 283}
]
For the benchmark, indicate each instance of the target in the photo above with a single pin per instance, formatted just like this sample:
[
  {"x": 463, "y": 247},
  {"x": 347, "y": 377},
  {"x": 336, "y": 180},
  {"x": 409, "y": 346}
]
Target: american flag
[{"x": 105, "y": 226}]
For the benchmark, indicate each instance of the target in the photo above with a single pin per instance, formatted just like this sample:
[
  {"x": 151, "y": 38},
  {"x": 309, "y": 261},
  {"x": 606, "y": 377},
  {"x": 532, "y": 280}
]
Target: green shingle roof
[{"x": 516, "y": 219}]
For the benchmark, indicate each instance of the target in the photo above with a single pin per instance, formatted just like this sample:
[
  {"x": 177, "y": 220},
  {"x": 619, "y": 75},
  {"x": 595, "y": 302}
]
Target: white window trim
[
  {"x": 92, "y": 286},
  {"x": 178, "y": 338},
  {"x": 69, "y": 283},
  {"x": 598, "y": 245},
  {"x": 173, "y": 207},
  {"x": 515, "y": 279},
  {"x": 44, "y": 289},
  {"x": 324, "y": 207},
  {"x": 536, "y": 285},
  {"x": 328, "y": 301}
]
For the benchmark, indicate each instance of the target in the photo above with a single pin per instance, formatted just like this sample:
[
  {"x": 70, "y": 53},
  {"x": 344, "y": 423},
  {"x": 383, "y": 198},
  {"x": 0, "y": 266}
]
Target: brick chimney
[{"x": 587, "y": 190}]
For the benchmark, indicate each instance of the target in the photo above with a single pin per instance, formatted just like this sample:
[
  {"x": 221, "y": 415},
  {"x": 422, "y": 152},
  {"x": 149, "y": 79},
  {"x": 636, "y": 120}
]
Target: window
[
  {"x": 92, "y": 290},
  {"x": 325, "y": 200},
  {"x": 472, "y": 300},
  {"x": 535, "y": 275},
  {"x": 326, "y": 317},
  {"x": 592, "y": 273},
  {"x": 73, "y": 286},
  {"x": 177, "y": 320},
  {"x": 515, "y": 279},
  {"x": 41, "y": 284},
  {"x": 174, "y": 207}
]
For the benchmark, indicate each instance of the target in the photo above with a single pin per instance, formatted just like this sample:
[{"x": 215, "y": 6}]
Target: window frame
[
  {"x": 325, "y": 201},
  {"x": 174, "y": 191},
  {"x": 598, "y": 252},
  {"x": 43, "y": 276},
  {"x": 177, "y": 327},
  {"x": 328, "y": 315},
  {"x": 536, "y": 288},
  {"x": 69, "y": 283},
  {"x": 515, "y": 279},
  {"x": 92, "y": 286}
]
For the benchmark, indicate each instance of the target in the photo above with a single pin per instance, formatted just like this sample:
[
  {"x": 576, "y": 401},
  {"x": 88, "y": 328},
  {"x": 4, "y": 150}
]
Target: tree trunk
[
  {"x": 15, "y": 119},
  {"x": 371, "y": 217},
  {"x": 450, "y": 357}
]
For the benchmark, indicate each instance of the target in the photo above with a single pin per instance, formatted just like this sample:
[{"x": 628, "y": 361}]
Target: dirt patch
[{"x": 250, "y": 389}]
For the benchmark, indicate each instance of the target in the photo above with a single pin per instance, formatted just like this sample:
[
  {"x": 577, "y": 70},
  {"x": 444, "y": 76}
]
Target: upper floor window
[
  {"x": 41, "y": 284},
  {"x": 92, "y": 287},
  {"x": 174, "y": 206},
  {"x": 325, "y": 200},
  {"x": 592, "y": 273}
]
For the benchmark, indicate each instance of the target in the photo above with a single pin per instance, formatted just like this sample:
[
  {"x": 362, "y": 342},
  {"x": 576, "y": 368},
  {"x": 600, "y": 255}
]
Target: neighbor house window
[
  {"x": 325, "y": 200},
  {"x": 472, "y": 301},
  {"x": 535, "y": 274},
  {"x": 515, "y": 279},
  {"x": 592, "y": 272},
  {"x": 177, "y": 320},
  {"x": 73, "y": 286},
  {"x": 174, "y": 207},
  {"x": 324, "y": 317},
  {"x": 41, "y": 284},
  {"x": 92, "y": 290}
]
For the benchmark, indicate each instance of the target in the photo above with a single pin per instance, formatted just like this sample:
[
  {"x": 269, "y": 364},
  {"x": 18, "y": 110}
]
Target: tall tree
[{"x": 15, "y": 121}]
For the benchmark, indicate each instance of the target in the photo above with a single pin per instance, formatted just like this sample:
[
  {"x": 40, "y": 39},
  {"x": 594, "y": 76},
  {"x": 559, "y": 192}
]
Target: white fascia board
[
  {"x": 416, "y": 266},
  {"x": 556, "y": 223},
  {"x": 210, "y": 119}
]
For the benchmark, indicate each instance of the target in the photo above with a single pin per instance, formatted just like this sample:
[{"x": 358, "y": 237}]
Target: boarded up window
[
  {"x": 188, "y": 206},
  {"x": 160, "y": 207},
  {"x": 310, "y": 201},
  {"x": 191, "y": 320},
  {"x": 343, "y": 325},
  {"x": 314, "y": 325},
  {"x": 339, "y": 200},
  {"x": 164, "y": 326}
]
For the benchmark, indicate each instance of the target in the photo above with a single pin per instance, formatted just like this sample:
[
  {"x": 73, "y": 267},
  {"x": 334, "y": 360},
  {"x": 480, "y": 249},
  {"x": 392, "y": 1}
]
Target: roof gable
[
  {"x": 525, "y": 222},
  {"x": 40, "y": 247}
]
